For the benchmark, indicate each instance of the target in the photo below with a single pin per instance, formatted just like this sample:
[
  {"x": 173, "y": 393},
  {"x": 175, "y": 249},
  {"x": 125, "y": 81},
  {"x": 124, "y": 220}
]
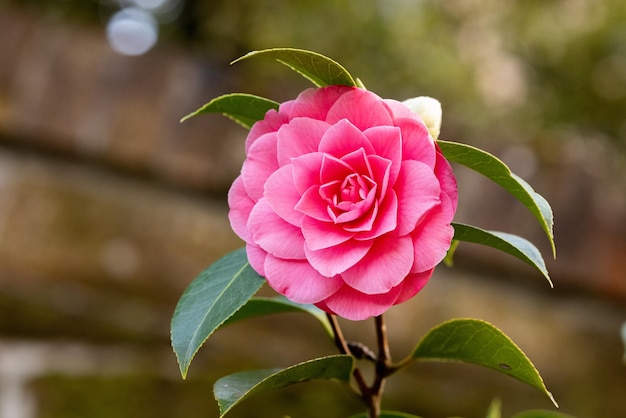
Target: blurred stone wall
[{"x": 109, "y": 207}]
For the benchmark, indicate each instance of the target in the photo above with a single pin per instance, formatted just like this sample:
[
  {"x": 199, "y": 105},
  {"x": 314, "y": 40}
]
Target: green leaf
[
  {"x": 216, "y": 294},
  {"x": 509, "y": 243},
  {"x": 386, "y": 414},
  {"x": 478, "y": 342},
  {"x": 495, "y": 409},
  {"x": 494, "y": 169},
  {"x": 231, "y": 390},
  {"x": 266, "y": 306},
  {"x": 540, "y": 413},
  {"x": 317, "y": 68},
  {"x": 245, "y": 109},
  {"x": 448, "y": 260}
]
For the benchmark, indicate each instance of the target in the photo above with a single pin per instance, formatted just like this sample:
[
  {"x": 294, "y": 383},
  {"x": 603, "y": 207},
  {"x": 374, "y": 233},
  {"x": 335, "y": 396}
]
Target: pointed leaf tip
[
  {"x": 494, "y": 169},
  {"x": 215, "y": 295},
  {"x": 245, "y": 109},
  {"x": 317, "y": 68},
  {"x": 233, "y": 389},
  {"x": 478, "y": 342},
  {"x": 509, "y": 243}
]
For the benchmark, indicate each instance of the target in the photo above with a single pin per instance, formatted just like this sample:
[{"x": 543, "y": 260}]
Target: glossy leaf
[
  {"x": 231, "y": 390},
  {"x": 215, "y": 295},
  {"x": 267, "y": 306},
  {"x": 540, "y": 413},
  {"x": 317, "y": 68},
  {"x": 386, "y": 414},
  {"x": 245, "y": 109},
  {"x": 509, "y": 243},
  {"x": 494, "y": 169},
  {"x": 478, "y": 342}
]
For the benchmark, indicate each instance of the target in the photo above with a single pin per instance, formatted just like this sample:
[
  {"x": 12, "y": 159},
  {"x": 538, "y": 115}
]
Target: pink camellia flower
[{"x": 344, "y": 201}]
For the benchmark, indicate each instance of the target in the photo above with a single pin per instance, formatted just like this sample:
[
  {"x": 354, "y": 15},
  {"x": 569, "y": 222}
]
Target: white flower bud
[{"x": 429, "y": 110}]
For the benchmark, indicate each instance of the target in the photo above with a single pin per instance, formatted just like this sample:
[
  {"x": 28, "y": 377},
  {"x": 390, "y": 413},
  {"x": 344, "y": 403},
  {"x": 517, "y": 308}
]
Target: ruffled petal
[
  {"x": 306, "y": 171},
  {"x": 282, "y": 195},
  {"x": 413, "y": 283},
  {"x": 417, "y": 144},
  {"x": 273, "y": 234},
  {"x": 315, "y": 103},
  {"x": 418, "y": 191},
  {"x": 313, "y": 205},
  {"x": 385, "y": 266},
  {"x": 356, "y": 306},
  {"x": 399, "y": 110},
  {"x": 301, "y": 136},
  {"x": 256, "y": 258},
  {"x": 386, "y": 219},
  {"x": 298, "y": 281},
  {"x": 335, "y": 260},
  {"x": 432, "y": 237},
  {"x": 443, "y": 171},
  {"x": 387, "y": 143},
  {"x": 240, "y": 206},
  {"x": 362, "y": 108},
  {"x": 260, "y": 163},
  {"x": 343, "y": 138},
  {"x": 319, "y": 235}
]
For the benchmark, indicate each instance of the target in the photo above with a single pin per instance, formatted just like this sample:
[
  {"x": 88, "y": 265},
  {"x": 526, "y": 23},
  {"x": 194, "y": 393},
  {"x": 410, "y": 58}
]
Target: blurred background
[{"x": 109, "y": 207}]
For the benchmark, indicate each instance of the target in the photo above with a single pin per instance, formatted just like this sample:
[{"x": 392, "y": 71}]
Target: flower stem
[
  {"x": 341, "y": 343},
  {"x": 372, "y": 395}
]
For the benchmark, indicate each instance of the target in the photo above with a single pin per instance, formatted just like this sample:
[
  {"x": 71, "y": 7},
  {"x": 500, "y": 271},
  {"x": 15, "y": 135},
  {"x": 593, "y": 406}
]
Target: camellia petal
[
  {"x": 301, "y": 136},
  {"x": 432, "y": 237},
  {"x": 273, "y": 234},
  {"x": 240, "y": 207},
  {"x": 387, "y": 143},
  {"x": 416, "y": 142},
  {"x": 259, "y": 165},
  {"x": 384, "y": 266},
  {"x": 418, "y": 191},
  {"x": 339, "y": 258},
  {"x": 256, "y": 258},
  {"x": 399, "y": 110},
  {"x": 342, "y": 138},
  {"x": 306, "y": 171},
  {"x": 282, "y": 195},
  {"x": 413, "y": 283},
  {"x": 386, "y": 219},
  {"x": 315, "y": 103},
  {"x": 362, "y": 108},
  {"x": 443, "y": 171},
  {"x": 320, "y": 235},
  {"x": 310, "y": 286},
  {"x": 356, "y": 306},
  {"x": 313, "y": 205}
]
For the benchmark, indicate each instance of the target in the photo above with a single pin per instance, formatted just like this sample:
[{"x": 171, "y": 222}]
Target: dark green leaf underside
[
  {"x": 257, "y": 307},
  {"x": 478, "y": 342},
  {"x": 245, "y": 109},
  {"x": 494, "y": 169},
  {"x": 509, "y": 243},
  {"x": 215, "y": 295},
  {"x": 231, "y": 390},
  {"x": 317, "y": 68}
]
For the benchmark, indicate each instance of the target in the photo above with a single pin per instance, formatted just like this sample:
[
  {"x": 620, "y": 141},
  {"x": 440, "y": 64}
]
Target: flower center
[{"x": 349, "y": 199}]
